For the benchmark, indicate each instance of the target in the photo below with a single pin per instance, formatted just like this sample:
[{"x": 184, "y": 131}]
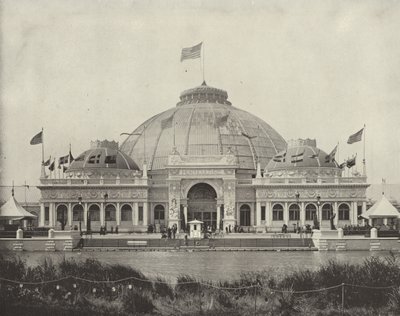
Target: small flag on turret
[
  {"x": 331, "y": 156},
  {"x": 51, "y": 167},
  {"x": 63, "y": 160},
  {"x": 47, "y": 162},
  {"x": 351, "y": 162},
  {"x": 37, "y": 139}
]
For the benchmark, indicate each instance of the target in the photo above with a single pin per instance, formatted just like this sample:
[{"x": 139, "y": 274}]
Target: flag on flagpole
[
  {"x": 37, "y": 139},
  {"x": 47, "y": 162},
  {"x": 342, "y": 165},
  {"x": 191, "y": 52},
  {"x": 355, "y": 137},
  {"x": 52, "y": 165},
  {"x": 167, "y": 123},
  {"x": 331, "y": 156},
  {"x": 63, "y": 160},
  {"x": 71, "y": 158},
  {"x": 351, "y": 162},
  {"x": 64, "y": 169}
]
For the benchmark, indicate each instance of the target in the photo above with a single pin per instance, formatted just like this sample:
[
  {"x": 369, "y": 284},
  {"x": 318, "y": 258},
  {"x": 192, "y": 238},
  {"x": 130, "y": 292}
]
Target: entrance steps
[
  {"x": 341, "y": 246},
  {"x": 18, "y": 246},
  {"x": 68, "y": 245},
  {"x": 50, "y": 245},
  {"x": 374, "y": 245}
]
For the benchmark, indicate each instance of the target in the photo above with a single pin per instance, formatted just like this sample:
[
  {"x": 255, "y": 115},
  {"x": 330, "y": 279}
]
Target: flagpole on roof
[
  {"x": 204, "y": 55},
  {"x": 43, "y": 171},
  {"x": 364, "y": 166}
]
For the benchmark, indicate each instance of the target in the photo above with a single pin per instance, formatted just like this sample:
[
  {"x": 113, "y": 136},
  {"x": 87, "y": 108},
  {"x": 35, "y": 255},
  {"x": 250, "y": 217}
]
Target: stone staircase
[
  {"x": 68, "y": 245},
  {"x": 18, "y": 245},
  {"x": 50, "y": 245},
  {"x": 322, "y": 245},
  {"x": 341, "y": 246},
  {"x": 374, "y": 245}
]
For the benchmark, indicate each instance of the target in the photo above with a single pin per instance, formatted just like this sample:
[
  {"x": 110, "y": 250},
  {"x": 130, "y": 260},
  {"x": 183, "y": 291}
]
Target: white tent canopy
[
  {"x": 12, "y": 210},
  {"x": 382, "y": 209}
]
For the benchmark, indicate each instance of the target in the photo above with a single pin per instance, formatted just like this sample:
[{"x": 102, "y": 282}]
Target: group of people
[{"x": 170, "y": 232}]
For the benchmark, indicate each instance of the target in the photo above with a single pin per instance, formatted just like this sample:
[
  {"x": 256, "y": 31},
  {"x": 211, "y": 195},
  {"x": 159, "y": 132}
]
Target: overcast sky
[{"x": 87, "y": 70}]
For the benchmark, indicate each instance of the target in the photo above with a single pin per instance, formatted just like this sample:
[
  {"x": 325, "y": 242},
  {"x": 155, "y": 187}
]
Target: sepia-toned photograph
[{"x": 199, "y": 157}]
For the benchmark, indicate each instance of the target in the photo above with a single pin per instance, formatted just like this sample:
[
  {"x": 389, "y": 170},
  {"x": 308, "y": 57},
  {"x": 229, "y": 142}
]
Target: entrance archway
[{"x": 202, "y": 204}]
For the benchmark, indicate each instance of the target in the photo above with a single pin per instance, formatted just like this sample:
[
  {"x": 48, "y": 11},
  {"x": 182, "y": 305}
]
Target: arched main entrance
[{"x": 202, "y": 204}]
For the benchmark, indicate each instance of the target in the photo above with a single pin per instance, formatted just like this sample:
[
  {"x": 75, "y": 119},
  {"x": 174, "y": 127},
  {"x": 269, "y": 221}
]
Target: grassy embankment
[{"x": 194, "y": 297}]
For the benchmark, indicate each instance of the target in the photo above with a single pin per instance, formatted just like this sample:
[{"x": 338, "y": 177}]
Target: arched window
[
  {"x": 326, "y": 212},
  {"x": 245, "y": 215},
  {"x": 126, "y": 213},
  {"x": 294, "y": 212},
  {"x": 110, "y": 212},
  {"x": 277, "y": 212},
  {"x": 159, "y": 214},
  {"x": 62, "y": 215},
  {"x": 344, "y": 212},
  {"x": 77, "y": 213},
  {"x": 311, "y": 212},
  {"x": 94, "y": 213}
]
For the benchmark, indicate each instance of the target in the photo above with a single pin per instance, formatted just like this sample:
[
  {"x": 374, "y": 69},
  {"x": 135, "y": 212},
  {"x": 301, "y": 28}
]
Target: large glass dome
[{"x": 203, "y": 123}]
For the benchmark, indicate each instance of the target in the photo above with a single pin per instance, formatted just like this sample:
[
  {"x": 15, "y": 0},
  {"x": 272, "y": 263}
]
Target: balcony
[
  {"x": 94, "y": 182},
  {"x": 309, "y": 181}
]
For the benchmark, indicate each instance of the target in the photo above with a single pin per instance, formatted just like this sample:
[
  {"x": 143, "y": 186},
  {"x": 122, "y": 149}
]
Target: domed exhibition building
[{"x": 203, "y": 159}]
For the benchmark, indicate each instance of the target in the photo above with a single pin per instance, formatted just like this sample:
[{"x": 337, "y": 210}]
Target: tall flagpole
[
  {"x": 364, "y": 166},
  {"x": 204, "y": 55},
  {"x": 43, "y": 171}
]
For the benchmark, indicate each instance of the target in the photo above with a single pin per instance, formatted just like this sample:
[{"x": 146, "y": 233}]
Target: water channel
[{"x": 208, "y": 265}]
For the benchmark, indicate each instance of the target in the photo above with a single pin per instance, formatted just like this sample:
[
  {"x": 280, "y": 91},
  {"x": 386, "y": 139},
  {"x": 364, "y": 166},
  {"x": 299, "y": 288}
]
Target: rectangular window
[
  {"x": 277, "y": 215},
  {"x": 141, "y": 213},
  {"x": 46, "y": 213},
  {"x": 359, "y": 210},
  {"x": 263, "y": 213}
]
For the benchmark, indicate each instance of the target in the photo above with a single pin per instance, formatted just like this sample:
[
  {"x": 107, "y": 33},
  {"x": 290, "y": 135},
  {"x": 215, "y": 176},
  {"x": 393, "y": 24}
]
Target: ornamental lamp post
[
  {"x": 80, "y": 213},
  {"x": 104, "y": 212},
  {"x": 319, "y": 218},
  {"x": 297, "y": 195}
]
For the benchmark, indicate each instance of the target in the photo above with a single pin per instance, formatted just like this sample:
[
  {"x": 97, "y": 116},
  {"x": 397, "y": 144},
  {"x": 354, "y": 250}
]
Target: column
[
  {"x": 336, "y": 211},
  {"x": 118, "y": 214},
  {"x": 302, "y": 214},
  {"x": 102, "y": 214},
  {"x": 268, "y": 214},
  {"x": 355, "y": 217},
  {"x": 85, "y": 214},
  {"x": 364, "y": 207},
  {"x": 145, "y": 213},
  {"x": 135, "y": 215},
  {"x": 69, "y": 215},
  {"x": 185, "y": 213},
  {"x": 258, "y": 213},
  {"x": 51, "y": 214},
  {"x": 286, "y": 213},
  {"x": 218, "y": 216},
  {"x": 42, "y": 215}
]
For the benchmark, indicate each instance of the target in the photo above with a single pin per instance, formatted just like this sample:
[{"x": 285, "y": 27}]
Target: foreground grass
[{"x": 138, "y": 295}]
